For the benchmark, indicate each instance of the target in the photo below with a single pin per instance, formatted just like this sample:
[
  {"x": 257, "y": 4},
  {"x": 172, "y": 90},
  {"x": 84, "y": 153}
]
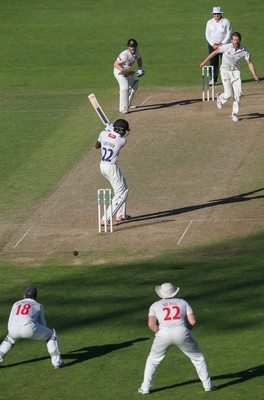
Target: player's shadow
[
  {"x": 83, "y": 354},
  {"x": 33, "y": 360},
  {"x": 233, "y": 378},
  {"x": 185, "y": 102},
  {"x": 248, "y": 196},
  {"x": 251, "y": 116},
  {"x": 87, "y": 353},
  {"x": 156, "y": 106}
]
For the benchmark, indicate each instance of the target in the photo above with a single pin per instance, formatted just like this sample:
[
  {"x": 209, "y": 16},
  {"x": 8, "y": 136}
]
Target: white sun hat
[
  {"x": 217, "y": 10},
  {"x": 166, "y": 290}
]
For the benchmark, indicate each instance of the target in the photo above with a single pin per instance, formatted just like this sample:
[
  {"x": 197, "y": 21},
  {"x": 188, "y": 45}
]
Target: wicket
[
  {"x": 207, "y": 75},
  {"x": 104, "y": 194}
]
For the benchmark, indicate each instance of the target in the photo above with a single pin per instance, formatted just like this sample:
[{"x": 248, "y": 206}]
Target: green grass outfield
[
  {"x": 52, "y": 55},
  {"x": 101, "y": 318}
]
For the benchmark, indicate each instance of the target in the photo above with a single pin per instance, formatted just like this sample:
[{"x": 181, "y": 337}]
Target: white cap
[{"x": 217, "y": 10}]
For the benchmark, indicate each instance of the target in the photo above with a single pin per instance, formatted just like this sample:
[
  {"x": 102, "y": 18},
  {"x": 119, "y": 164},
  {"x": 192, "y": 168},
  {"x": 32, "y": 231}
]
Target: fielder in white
[
  {"x": 111, "y": 141},
  {"x": 171, "y": 319},
  {"x": 27, "y": 321},
  {"x": 230, "y": 72},
  {"x": 125, "y": 76}
]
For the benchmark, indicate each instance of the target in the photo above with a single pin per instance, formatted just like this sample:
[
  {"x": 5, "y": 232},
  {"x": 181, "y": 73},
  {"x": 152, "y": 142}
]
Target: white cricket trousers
[
  {"x": 128, "y": 85},
  {"x": 232, "y": 88},
  {"x": 183, "y": 339},
  {"x": 34, "y": 331},
  {"x": 114, "y": 175}
]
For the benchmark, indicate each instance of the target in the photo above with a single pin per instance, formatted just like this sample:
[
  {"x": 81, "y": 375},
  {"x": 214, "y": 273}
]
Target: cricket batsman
[{"x": 125, "y": 76}]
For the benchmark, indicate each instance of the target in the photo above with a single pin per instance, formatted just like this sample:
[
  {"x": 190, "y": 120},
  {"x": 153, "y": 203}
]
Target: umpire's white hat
[
  {"x": 166, "y": 290},
  {"x": 217, "y": 10}
]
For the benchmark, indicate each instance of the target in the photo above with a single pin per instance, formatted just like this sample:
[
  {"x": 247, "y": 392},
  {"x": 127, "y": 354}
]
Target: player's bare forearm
[
  {"x": 118, "y": 66},
  {"x": 191, "y": 320},
  {"x": 211, "y": 55},
  {"x": 252, "y": 70},
  {"x": 152, "y": 324}
]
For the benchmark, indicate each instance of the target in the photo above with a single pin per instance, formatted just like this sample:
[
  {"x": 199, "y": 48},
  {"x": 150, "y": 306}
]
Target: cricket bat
[{"x": 98, "y": 109}]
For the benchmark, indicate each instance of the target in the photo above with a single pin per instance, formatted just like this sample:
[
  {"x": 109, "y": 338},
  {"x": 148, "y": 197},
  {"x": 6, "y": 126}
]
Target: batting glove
[
  {"x": 109, "y": 127},
  {"x": 140, "y": 72}
]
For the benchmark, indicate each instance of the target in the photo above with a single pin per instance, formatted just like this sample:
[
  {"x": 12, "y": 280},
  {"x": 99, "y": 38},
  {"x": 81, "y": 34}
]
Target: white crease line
[
  {"x": 20, "y": 240},
  {"x": 182, "y": 236},
  {"x": 145, "y": 101}
]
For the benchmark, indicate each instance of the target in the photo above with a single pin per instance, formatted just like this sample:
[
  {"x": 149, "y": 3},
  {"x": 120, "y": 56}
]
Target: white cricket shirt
[
  {"x": 26, "y": 311},
  {"x": 170, "y": 313},
  {"x": 111, "y": 144},
  {"x": 231, "y": 58},
  {"x": 126, "y": 59},
  {"x": 218, "y": 32}
]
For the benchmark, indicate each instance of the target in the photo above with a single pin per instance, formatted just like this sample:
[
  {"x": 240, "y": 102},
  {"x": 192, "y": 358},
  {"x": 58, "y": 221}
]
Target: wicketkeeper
[
  {"x": 27, "y": 321},
  {"x": 125, "y": 76}
]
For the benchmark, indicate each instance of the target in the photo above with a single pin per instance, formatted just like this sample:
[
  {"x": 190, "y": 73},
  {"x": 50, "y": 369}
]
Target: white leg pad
[
  {"x": 54, "y": 349},
  {"x": 118, "y": 201},
  {"x": 132, "y": 92},
  {"x": 53, "y": 345},
  {"x": 123, "y": 106},
  {"x": 6, "y": 346}
]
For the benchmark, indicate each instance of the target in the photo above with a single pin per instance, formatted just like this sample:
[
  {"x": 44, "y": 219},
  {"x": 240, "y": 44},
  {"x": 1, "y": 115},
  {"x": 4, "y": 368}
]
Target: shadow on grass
[
  {"x": 241, "y": 376},
  {"x": 87, "y": 353},
  {"x": 235, "y": 378},
  {"x": 248, "y": 196},
  {"x": 84, "y": 354},
  {"x": 26, "y": 362}
]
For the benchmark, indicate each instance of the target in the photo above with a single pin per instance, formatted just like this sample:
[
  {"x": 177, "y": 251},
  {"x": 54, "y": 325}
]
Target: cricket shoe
[
  {"x": 211, "y": 388},
  {"x": 122, "y": 219},
  {"x": 234, "y": 117},
  {"x": 58, "y": 365},
  {"x": 1, "y": 359},
  {"x": 142, "y": 391},
  {"x": 103, "y": 223},
  {"x": 218, "y": 101}
]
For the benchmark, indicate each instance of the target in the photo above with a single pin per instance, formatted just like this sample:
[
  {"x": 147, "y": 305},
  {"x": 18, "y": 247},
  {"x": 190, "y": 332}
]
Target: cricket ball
[{"x": 75, "y": 253}]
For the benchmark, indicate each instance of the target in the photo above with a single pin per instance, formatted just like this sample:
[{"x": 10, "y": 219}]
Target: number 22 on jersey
[
  {"x": 172, "y": 313},
  {"x": 107, "y": 154}
]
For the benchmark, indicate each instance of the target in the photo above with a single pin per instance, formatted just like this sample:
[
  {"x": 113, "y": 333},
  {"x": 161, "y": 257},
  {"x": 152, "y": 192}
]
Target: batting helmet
[
  {"x": 122, "y": 125},
  {"x": 132, "y": 43}
]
